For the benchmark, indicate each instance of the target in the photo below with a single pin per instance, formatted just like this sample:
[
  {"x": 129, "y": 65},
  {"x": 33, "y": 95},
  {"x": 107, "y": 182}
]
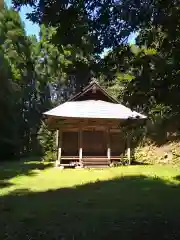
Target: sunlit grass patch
[{"x": 38, "y": 201}]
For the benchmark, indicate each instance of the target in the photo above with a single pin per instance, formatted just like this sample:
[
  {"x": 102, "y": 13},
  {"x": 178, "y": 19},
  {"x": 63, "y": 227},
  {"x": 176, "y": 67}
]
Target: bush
[
  {"x": 46, "y": 139},
  {"x": 49, "y": 156}
]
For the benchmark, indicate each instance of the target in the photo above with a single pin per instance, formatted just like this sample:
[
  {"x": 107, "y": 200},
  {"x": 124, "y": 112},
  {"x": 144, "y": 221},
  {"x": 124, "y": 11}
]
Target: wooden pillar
[
  {"x": 80, "y": 144},
  {"x": 108, "y": 145},
  {"x": 57, "y": 138},
  {"x": 58, "y": 162},
  {"x": 57, "y": 144},
  {"x": 128, "y": 150}
]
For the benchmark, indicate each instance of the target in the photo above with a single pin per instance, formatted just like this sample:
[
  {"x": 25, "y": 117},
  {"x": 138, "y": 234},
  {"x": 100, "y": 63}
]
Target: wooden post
[
  {"x": 58, "y": 162},
  {"x": 80, "y": 145},
  {"x": 57, "y": 138},
  {"x": 108, "y": 145},
  {"x": 57, "y": 145},
  {"x": 128, "y": 149}
]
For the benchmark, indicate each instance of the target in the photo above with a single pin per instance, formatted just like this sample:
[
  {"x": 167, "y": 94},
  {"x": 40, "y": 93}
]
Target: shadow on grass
[
  {"x": 134, "y": 162},
  {"x": 4, "y": 184},
  {"x": 134, "y": 207},
  {"x": 9, "y": 170},
  {"x": 177, "y": 178}
]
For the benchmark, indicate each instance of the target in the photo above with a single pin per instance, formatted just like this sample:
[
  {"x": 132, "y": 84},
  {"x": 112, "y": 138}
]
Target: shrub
[{"x": 47, "y": 142}]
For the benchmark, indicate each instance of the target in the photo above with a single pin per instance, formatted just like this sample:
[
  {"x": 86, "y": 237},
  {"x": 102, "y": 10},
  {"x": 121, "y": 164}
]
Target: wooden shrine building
[{"x": 89, "y": 130}]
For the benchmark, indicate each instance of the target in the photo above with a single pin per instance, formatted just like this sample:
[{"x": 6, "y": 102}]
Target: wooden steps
[{"x": 95, "y": 162}]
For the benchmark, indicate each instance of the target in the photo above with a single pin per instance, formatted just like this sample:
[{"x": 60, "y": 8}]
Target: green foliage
[
  {"x": 21, "y": 100},
  {"x": 7, "y": 107},
  {"x": 47, "y": 141},
  {"x": 119, "y": 83},
  {"x": 33, "y": 76},
  {"x": 144, "y": 76}
]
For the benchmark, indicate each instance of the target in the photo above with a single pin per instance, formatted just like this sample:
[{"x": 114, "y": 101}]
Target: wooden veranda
[{"x": 90, "y": 142}]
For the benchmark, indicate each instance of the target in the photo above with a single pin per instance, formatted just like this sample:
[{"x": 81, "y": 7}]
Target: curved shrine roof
[{"x": 94, "y": 109}]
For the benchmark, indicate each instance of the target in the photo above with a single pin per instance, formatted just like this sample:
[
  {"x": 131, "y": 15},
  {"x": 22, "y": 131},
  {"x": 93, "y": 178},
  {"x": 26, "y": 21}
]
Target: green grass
[{"x": 38, "y": 201}]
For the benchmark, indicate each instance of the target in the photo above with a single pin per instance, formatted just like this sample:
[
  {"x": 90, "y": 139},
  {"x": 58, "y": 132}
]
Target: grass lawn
[{"x": 38, "y": 201}]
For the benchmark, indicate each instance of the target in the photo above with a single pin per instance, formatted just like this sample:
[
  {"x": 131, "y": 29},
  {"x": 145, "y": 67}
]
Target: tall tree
[
  {"x": 8, "y": 98},
  {"x": 15, "y": 47},
  {"x": 100, "y": 23}
]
